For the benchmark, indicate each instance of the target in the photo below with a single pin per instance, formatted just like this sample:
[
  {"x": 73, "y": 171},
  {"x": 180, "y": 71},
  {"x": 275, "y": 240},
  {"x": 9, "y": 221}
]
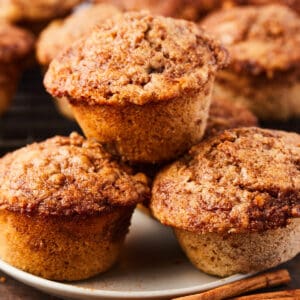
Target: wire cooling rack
[{"x": 33, "y": 116}]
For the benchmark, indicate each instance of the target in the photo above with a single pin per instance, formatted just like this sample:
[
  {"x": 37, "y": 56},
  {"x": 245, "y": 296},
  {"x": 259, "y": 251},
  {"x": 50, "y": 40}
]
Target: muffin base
[
  {"x": 64, "y": 107},
  {"x": 268, "y": 99},
  {"x": 149, "y": 133},
  {"x": 63, "y": 248},
  {"x": 228, "y": 254},
  {"x": 8, "y": 85}
]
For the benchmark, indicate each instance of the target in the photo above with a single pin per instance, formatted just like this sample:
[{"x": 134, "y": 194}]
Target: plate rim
[{"x": 68, "y": 289}]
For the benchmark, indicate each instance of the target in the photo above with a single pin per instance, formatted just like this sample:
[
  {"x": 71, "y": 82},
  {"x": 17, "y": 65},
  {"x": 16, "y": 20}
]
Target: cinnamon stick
[
  {"x": 290, "y": 294},
  {"x": 243, "y": 286}
]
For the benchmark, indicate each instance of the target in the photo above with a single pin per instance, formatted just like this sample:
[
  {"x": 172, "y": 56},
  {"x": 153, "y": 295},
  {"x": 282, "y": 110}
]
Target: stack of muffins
[{"x": 142, "y": 87}]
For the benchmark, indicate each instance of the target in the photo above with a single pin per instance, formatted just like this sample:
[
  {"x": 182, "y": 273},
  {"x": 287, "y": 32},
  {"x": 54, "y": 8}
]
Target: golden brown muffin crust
[
  {"x": 260, "y": 39},
  {"x": 62, "y": 33},
  {"x": 138, "y": 59},
  {"x": 225, "y": 114},
  {"x": 240, "y": 180},
  {"x": 67, "y": 176},
  {"x": 15, "y": 43}
]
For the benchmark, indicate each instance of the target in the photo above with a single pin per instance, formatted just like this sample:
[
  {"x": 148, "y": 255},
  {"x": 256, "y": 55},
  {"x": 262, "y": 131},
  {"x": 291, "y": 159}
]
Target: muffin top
[
  {"x": 34, "y": 10},
  {"x": 15, "y": 43},
  {"x": 62, "y": 33},
  {"x": 260, "y": 39},
  {"x": 66, "y": 176},
  {"x": 225, "y": 114},
  {"x": 185, "y": 9},
  {"x": 138, "y": 58},
  {"x": 241, "y": 180},
  {"x": 158, "y": 7}
]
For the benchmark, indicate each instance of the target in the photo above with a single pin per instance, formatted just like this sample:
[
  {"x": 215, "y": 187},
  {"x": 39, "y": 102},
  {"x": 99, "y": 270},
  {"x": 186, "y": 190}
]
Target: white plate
[{"x": 152, "y": 266}]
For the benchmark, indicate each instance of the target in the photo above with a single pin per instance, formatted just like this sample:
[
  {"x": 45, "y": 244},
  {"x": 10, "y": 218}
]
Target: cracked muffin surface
[
  {"x": 260, "y": 39},
  {"x": 138, "y": 59},
  {"x": 67, "y": 176},
  {"x": 62, "y": 33},
  {"x": 241, "y": 180}
]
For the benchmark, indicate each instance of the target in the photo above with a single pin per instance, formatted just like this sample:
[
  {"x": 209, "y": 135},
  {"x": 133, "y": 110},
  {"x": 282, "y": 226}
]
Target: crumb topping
[
  {"x": 241, "y": 180},
  {"x": 138, "y": 59},
  {"x": 67, "y": 176}
]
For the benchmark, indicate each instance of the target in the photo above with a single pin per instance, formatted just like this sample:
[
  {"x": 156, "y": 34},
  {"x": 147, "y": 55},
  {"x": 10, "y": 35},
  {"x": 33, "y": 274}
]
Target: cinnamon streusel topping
[
  {"x": 138, "y": 59},
  {"x": 240, "y": 180},
  {"x": 67, "y": 176}
]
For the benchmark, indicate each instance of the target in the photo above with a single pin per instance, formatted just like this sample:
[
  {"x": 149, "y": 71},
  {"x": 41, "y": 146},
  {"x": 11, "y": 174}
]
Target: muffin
[
  {"x": 34, "y": 15},
  {"x": 158, "y": 7},
  {"x": 225, "y": 114},
  {"x": 16, "y": 45},
  {"x": 184, "y": 9},
  {"x": 65, "y": 208},
  {"x": 264, "y": 73},
  {"x": 234, "y": 200},
  {"x": 141, "y": 85},
  {"x": 36, "y": 10},
  {"x": 62, "y": 33}
]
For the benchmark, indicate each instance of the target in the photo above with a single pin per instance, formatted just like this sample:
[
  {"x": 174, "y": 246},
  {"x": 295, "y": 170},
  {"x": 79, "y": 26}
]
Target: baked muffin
[
  {"x": 234, "y": 200},
  {"x": 65, "y": 208},
  {"x": 15, "y": 47},
  {"x": 184, "y": 9},
  {"x": 36, "y": 10},
  {"x": 264, "y": 72},
  {"x": 34, "y": 15},
  {"x": 62, "y": 33},
  {"x": 225, "y": 114},
  {"x": 141, "y": 85}
]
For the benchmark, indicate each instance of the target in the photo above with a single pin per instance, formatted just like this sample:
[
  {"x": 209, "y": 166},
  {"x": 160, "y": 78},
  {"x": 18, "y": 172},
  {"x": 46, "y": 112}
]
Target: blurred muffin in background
[
  {"x": 294, "y": 4},
  {"x": 158, "y": 7},
  {"x": 62, "y": 33},
  {"x": 264, "y": 45},
  {"x": 140, "y": 84},
  {"x": 182, "y": 9},
  {"x": 34, "y": 14},
  {"x": 16, "y": 46},
  {"x": 225, "y": 114},
  {"x": 65, "y": 207}
]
